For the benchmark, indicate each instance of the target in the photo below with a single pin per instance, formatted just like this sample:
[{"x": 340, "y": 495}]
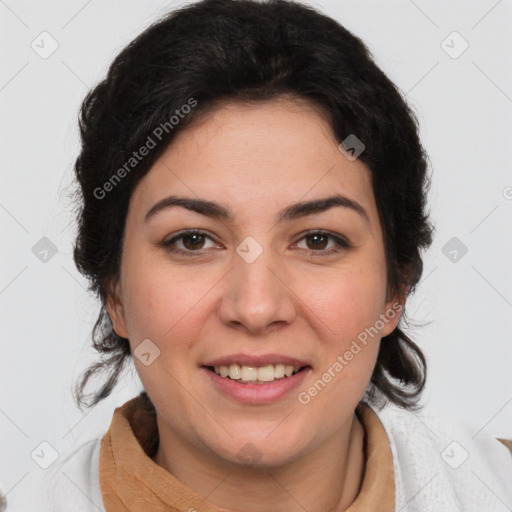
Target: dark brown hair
[{"x": 222, "y": 50}]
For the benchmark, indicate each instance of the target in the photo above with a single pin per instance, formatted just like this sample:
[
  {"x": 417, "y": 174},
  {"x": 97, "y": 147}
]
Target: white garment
[
  {"x": 438, "y": 467},
  {"x": 432, "y": 473}
]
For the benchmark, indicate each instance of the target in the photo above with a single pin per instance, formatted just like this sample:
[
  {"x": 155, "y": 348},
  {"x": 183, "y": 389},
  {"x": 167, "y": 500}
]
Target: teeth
[
  {"x": 234, "y": 372},
  {"x": 254, "y": 373},
  {"x": 279, "y": 371},
  {"x": 266, "y": 373},
  {"x": 248, "y": 373}
]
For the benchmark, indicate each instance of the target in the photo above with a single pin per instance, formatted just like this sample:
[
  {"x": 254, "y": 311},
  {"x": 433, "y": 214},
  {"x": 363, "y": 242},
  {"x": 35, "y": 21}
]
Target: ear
[
  {"x": 392, "y": 312},
  {"x": 115, "y": 310}
]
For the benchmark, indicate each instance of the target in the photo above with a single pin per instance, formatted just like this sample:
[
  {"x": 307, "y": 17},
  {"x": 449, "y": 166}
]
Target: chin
[{"x": 260, "y": 450}]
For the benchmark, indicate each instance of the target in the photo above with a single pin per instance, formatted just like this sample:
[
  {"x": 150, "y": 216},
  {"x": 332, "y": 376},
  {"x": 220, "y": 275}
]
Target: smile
[
  {"x": 254, "y": 374},
  {"x": 253, "y": 390}
]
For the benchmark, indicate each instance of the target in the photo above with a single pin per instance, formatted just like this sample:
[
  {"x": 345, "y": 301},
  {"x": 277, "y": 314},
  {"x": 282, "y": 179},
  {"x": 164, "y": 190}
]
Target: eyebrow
[{"x": 291, "y": 212}]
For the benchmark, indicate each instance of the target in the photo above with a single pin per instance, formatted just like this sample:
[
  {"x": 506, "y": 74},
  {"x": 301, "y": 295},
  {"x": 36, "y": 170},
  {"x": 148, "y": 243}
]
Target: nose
[{"x": 256, "y": 296}]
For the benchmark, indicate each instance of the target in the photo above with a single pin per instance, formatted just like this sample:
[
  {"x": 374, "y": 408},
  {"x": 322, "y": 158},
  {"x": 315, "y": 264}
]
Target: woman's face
[{"x": 254, "y": 291}]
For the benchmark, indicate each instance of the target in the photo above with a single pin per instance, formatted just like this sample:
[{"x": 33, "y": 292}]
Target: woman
[{"x": 253, "y": 211}]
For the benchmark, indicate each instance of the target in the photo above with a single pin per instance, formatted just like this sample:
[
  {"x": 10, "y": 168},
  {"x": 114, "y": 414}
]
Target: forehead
[{"x": 262, "y": 155}]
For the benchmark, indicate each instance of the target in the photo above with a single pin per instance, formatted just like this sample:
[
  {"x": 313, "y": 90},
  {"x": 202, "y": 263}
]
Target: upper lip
[{"x": 254, "y": 360}]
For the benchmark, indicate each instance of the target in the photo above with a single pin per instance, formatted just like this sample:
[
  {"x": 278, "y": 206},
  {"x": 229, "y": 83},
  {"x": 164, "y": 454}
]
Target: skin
[{"x": 293, "y": 299}]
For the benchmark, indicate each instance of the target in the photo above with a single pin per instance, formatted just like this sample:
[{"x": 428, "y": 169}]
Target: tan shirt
[{"x": 131, "y": 481}]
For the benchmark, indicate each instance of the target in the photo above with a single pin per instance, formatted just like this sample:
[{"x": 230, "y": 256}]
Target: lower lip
[{"x": 257, "y": 393}]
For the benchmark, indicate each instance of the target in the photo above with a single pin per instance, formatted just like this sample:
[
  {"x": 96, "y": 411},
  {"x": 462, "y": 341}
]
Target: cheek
[
  {"x": 165, "y": 308},
  {"x": 346, "y": 302},
  {"x": 350, "y": 345},
  {"x": 161, "y": 301}
]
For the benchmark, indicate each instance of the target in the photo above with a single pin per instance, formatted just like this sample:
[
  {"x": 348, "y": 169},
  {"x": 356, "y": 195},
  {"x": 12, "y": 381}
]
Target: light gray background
[{"x": 464, "y": 107}]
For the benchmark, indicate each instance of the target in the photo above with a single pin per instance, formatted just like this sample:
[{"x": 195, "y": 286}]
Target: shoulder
[
  {"x": 73, "y": 480},
  {"x": 441, "y": 463}
]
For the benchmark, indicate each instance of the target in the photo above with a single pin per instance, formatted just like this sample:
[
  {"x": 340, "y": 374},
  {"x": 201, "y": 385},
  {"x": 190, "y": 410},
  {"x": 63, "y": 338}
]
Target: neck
[{"x": 326, "y": 479}]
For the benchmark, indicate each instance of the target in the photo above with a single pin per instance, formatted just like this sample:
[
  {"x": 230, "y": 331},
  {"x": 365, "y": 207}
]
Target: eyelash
[{"x": 341, "y": 244}]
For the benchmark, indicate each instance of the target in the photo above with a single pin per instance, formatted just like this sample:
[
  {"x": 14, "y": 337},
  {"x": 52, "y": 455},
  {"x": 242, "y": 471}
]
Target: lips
[
  {"x": 256, "y": 379},
  {"x": 256, "y": 369},
  {"x": 256, "y": 361},
  {"x": 256, "y": 392}
]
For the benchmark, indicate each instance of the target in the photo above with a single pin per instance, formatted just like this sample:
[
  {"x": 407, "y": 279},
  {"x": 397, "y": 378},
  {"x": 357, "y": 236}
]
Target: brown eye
[
  {"x": 188, "y": 243},
  {"x": 318, "y": 242},
  {"x": 194, "y": 241}
]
